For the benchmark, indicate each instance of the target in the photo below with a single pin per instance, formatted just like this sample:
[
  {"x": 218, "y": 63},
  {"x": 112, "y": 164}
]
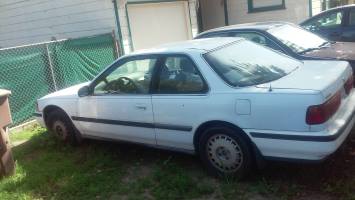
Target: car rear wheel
[
  {"x": 62, "y": 128},
  {"x": 225, "y": 152}
]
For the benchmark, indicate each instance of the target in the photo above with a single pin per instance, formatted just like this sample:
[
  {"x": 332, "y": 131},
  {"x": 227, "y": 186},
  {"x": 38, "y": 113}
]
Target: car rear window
[
  {"x": 245, "y": 63},
  {"x": 296, "y": 38}
]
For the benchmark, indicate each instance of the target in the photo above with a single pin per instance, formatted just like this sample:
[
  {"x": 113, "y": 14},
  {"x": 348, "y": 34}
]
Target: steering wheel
[{"x": 129, "y": 82}]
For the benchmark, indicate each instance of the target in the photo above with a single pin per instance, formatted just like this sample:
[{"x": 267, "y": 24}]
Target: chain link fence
[{"x": 33, "y": 71}]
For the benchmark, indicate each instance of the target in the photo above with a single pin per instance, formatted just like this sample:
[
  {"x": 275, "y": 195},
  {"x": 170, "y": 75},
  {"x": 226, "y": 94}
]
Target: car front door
[
  {"x": 179, "y": 96},
  {"x": 328, "y": 25},
  {"x": 120, "y": 105}
]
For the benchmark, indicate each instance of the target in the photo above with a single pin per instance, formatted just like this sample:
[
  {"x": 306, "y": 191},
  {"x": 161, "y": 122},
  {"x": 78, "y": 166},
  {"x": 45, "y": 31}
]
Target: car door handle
[{"x": 141, "y": 107}]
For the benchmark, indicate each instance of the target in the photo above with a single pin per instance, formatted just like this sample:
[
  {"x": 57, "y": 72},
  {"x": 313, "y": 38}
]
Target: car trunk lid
[{"x": 326, "y": 77}]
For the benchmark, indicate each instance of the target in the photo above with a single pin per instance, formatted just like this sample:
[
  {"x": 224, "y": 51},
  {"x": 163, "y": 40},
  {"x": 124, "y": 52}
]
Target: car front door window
[{"x": 132, "y": 77}]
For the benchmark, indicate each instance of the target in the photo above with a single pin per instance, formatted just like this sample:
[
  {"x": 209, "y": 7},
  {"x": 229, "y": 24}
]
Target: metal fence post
[{"x": 51, "y": 68}]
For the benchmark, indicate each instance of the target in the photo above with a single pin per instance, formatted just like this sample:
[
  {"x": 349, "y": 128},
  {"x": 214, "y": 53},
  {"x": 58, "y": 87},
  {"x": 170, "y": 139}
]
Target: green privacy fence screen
[{"x": 33, "y": 71}]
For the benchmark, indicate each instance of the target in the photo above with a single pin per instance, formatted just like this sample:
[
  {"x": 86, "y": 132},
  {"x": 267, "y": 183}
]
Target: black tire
[
  {"x": 225, "y": 152},
  {"x": 62, "y": 128}
]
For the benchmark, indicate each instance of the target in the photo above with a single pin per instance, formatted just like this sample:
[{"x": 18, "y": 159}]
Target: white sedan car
[{"x": 226, "y": 99}]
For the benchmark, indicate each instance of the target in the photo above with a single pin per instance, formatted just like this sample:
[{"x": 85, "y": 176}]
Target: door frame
[
  {"x": 154, "y": 2},
  {"x": 200, "y": 13}
]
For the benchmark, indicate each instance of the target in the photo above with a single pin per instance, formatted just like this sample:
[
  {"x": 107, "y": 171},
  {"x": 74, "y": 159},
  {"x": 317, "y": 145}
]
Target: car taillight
[
  {"x": 349, "y": 84},
  {"x": 318, "y": 114}
]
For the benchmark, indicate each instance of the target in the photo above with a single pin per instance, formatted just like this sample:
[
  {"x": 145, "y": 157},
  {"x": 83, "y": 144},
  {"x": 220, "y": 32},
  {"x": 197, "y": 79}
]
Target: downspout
[
  {"x": 310, "y": 8},
  {"x": 226, "y": 17},
  {"x": 119, "y": 33}
]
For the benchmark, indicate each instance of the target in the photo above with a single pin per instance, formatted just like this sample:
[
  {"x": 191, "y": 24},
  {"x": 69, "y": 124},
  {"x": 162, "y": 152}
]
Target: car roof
[
  {"x": 256, "y": 26},
  {"x": 338, "y": 8},
  {"x": 326, "y": 11},
  {"x": 198, "y": 45}
]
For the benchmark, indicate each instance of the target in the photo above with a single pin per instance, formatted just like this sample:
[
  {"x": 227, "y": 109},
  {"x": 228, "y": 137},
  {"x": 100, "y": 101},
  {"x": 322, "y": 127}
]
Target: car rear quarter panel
[
  {"x": 275, "y": 109},
  {"x": 269, "y": 110}
]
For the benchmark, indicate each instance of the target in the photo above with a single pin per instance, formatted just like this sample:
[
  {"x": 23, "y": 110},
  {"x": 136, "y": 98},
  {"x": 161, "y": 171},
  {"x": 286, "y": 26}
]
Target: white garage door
[{"x": 152, "y": 24}]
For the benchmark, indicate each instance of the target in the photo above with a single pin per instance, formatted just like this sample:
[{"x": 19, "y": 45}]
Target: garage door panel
[{"x": 153, "y": 24}]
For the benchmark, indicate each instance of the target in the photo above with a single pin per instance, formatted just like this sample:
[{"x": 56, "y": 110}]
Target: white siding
[
  {"x": 31, "y": 21},
  {"x": 296, "y": 11}
]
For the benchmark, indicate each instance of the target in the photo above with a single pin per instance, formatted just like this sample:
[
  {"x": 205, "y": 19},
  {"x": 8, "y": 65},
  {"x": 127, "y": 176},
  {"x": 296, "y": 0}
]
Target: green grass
[{"x": 47, "y": 169}]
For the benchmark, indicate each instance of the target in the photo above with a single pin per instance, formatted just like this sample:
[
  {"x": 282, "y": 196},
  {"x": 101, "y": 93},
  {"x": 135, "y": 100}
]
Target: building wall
[
  {"x": 25, "y": 22},
  {"x": 296, "y": 11},
  {"x": 124, "y": 22}
]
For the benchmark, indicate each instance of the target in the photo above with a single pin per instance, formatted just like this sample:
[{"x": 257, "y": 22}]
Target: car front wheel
[
  {"x": 225, "y": 152},
  {"x": 62, "y": 128}
]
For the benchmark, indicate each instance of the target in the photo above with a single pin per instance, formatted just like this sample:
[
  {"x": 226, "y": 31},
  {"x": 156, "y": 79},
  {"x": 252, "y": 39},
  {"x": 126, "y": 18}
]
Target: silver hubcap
[
  {"x": 224, "y": 153},
  {"x": 60, "y": 130}
]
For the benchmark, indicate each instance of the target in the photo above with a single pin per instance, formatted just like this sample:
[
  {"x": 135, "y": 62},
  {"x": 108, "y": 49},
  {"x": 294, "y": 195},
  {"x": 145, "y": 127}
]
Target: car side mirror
[{"x": 84, "y": 91}]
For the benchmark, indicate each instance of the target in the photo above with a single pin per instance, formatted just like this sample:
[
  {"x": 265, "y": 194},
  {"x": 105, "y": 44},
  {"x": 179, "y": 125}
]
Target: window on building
[{"x": 265, "y": 5}]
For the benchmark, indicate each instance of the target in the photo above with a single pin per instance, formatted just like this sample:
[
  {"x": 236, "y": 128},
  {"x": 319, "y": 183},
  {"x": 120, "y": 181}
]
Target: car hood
[
  {"x": 70, "y": 92},
  {"x": 337, "y": 50}
]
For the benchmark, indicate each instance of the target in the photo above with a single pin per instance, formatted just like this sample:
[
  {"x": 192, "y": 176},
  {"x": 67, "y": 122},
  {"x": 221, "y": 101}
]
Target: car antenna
[{"x": 270, "y": 88}]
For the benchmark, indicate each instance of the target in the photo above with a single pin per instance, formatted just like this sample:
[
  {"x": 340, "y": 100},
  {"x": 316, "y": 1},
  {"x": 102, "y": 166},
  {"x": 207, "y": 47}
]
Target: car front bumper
[
  {"x": 39, "y": 118},
  {"x": 307, "y": 146}
]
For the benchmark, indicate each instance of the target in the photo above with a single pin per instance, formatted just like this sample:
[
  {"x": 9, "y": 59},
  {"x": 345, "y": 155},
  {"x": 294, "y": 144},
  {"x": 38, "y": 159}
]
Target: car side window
[
  {"x": 258, "y": 38},
  {"x": 179, "y": 75},
  {"x": 329, "y": 20},
  {"x": 352, "y": 17},
  {"x": 254, "y": 37},
  {"x": 132, "y": 77}
]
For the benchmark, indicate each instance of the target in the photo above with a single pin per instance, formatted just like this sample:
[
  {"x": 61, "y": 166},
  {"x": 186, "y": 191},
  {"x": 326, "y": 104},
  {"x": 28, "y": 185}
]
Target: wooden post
[{"x": 7, "y": 164}]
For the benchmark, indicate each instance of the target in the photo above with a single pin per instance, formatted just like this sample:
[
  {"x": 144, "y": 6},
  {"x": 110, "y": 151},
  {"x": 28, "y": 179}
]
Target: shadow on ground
[{"x": 109, "y": 170}]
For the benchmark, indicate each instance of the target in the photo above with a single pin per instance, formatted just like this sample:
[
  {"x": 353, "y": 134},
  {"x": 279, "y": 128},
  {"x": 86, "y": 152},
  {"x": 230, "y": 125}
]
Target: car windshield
[
  {"x": 297, "y": 39},
  {"x": 245, "y": 63}
]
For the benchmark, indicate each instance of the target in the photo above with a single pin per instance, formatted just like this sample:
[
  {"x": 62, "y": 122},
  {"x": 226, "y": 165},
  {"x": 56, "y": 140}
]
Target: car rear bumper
[{"x": 307, "y": 146}]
